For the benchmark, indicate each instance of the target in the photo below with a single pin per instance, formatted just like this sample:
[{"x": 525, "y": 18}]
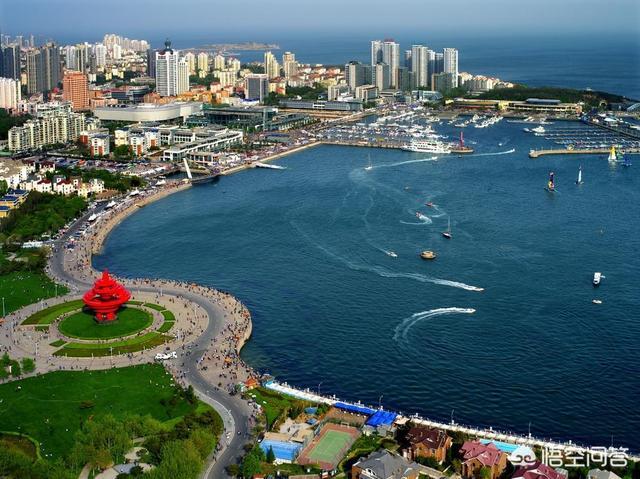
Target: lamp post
[
  {"x": 319, "y": 384},
  {"x": 380, "y": 401}
]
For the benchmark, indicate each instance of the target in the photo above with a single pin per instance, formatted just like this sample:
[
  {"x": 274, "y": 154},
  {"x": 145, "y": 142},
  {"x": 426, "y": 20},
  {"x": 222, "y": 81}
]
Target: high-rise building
[
  {"x": 151, "y": 62},
  {"x": 11, "y": 62},
  {"x": 218, "y": 62},
  {"x": 101, "y": 55},
  {"x": 167, "y": 71},
  {"x": 405, "y": 79},
  {"x": 234, "y": 64},
  {"x": 451, "y": 64},
  {"x": 388, "y": 52},
  {"x": 376, "y": 52},
  {"x": 382, "y": 76},
  {"x": 271, "y": 67},
  {"x": 407, "y": 58},
  {"x": 190, "y": 58},
  {"x": 439, "y": 63},
  {"x": 357, "y": 74},
  {"x": 116, "y": 51},
  {"x": 52, "y": 125},
  {"x": 182, "y": 76},
  {"x": 75, "y": 89},
  {"x": 83, "y": 51},
  {"x": 289, "y": 64},
  {"x": 442, "y": 82},
  {"x": 70, "y": 61},
  {"x": 420, "y": 66},
  {"x": 203, "y": 62},
  {"x": 9, "y": 93},
  {"x": 43, "y": 69},
  {"x": 256, "y": 86}
]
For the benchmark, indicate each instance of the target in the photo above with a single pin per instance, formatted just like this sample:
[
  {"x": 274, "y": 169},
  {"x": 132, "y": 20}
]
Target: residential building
[
  {"x": 182, "y": 76},
  {"x": 476, "y": 455},
  {"x": 357, "y": 74},
  {"x": 537, "y": 470},
  {"x": 256, "y": 86},
  {"x": 388, "y": 52},
  {"x": 219, "y": 62},
  {"x": 203, "y": 62},
  {"x": 423, "y": 441},
  {"x": 12, "y": 200},
  {"x": 384, "y": 465},
  {"x": 101, "y": 55},
  {"x": 167, "y": 71},
  {"x": 11, "y": 62},
  {"x": 190, "y": 58},
  {"x": 382, "y": 76},
  {"x": 289, "y": 64},
  {"x": 366, "y": 93},
  {"x": 450, "y": 58},
  {"x": 336, "y": 92},
  {"x": 43, "y": 69},
  {"x": 226, "y": 77},
  {"x": 442, "y": 82},
  {"x": 14, "y": 172},
  {"x": 420, "y": 66},
  {"x": 75, "y": 89},
  {"x": 151, "y": 62},
  {"x": 271, "y": 67},
  {"x": 10, "y": 93},
  {"x": 99, "y": 145}
]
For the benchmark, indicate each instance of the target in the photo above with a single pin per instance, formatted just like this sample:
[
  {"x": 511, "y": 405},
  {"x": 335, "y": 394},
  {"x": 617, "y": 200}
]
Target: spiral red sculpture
[{"x": 106, "y": 297}]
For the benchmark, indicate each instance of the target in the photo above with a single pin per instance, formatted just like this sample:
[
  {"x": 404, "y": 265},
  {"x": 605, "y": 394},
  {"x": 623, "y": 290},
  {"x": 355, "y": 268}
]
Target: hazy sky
[{"x": 265, "y": 19}]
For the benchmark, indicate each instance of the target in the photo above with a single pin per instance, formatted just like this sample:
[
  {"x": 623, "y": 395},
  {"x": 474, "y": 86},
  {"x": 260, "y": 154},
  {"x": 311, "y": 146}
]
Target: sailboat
[
  {"x": 447, "y": 234},
  {"x": 369, "y": 166},
  {"x": 551, "y": 185},
  {"x": 579, "y": 180},
  {"x": 612, "y": 154}
]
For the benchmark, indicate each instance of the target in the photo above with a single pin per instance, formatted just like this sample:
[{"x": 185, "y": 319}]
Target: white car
[{"x": 163, "y": 357}]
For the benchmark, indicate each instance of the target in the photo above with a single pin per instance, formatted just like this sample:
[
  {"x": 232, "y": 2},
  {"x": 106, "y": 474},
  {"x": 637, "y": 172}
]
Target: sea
[{"x": 500, "y": 330}]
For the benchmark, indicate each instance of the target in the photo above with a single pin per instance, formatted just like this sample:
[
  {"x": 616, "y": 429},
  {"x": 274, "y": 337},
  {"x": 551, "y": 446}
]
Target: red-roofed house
[
  {"x": 423, "y": 441},
  {"x": 476, "y": 455},
  {"x": 537, "y": 470}
]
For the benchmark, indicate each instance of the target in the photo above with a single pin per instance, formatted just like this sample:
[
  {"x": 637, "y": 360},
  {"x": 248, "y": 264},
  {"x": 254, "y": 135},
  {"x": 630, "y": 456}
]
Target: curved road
[{"x": 235, "y": 412}]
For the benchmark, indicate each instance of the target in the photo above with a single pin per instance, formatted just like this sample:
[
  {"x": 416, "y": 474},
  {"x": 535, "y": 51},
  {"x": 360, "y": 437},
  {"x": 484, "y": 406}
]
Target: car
[{"x": 164, "y": 357}]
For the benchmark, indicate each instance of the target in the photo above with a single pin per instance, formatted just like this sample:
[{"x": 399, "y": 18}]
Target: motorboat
[
  {"x": 551, "y": 185},
  {"x": 597, "y": 277},
  {"x": 596, "y": 301},
  {"x": 427, "y": 146},
  {"x": 428, "y": 254},
  {"x": 429, "y": 204},
  {"x": 447, "y": 233},
  {"x": 392, "y": 254}
]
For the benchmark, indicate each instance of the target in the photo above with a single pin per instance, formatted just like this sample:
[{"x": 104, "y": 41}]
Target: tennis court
[{"x": 329, "y": 447}]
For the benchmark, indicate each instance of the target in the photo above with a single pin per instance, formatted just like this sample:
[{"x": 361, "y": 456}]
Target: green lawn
[
  {"x": 50, "y": 314},
  {"x": 272, "y": 403},
  {"x": 47, "y": 407},
  {"x": 131, "y": 345},
  {"x": 329, "y": 446},
  {"x": 58, "y": 343},
  {"x": 21, "y": 288},
  {"x": 157, "y": 307},
  {"x": 168, "y": 315},
  {"x": 166, "y": 326},
  {"x": 84, "y": 326}
]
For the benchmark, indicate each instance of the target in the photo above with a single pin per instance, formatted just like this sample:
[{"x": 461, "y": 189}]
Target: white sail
[
  {"x": 612, "y": 154},
  {"x": 579, "y": 175}
]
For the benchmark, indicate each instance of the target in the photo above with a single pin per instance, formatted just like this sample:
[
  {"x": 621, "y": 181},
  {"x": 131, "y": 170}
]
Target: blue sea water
[{"x": 305, "y": 249}]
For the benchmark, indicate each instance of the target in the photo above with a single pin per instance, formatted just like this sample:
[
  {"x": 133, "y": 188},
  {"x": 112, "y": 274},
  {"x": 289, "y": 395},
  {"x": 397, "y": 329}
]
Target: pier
[
  {"x": 579, "y": 151},
  {"x": 490, "y": 433}
]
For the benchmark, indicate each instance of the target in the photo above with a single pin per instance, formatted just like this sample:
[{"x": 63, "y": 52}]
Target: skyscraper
[
  {"x": 9, "y": 93},
  {"x": 43, "y": 68},
  {"x": 376, "y": 52},
  {"x": 101, "y": 55},
  {"x": 271, "y": 67},
  {"x": 75, "y": 89},
  {"x": 388, "y": 52},
  {"x": 218, "y": 62},
  {"x": 70, "y": 61},
  {"x": 167, "y": 71},
  {"x": 203, "y": 62},
  {"x": 289, "y": 64},
  {"x": 256, "y": 86},
  {"x": 11, "y": 62},
  {"x": 357, "y": 74},
  {"x": 82, "y": 57},
  {"x": 420, "y": 66},
  {"x": 151, "y": 62},
  {"x": 451, "y": 64},
  {"x": 190, "y": 58},
  {"x": 182, "y": 76},
  {"x": 382, "y": 76}
]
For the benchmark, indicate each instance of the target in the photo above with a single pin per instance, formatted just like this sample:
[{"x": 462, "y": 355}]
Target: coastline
[{"x": 276, "y": 156}]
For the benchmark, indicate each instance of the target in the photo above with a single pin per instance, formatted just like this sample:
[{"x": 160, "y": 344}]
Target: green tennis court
[{"x": 330, "y": 446}]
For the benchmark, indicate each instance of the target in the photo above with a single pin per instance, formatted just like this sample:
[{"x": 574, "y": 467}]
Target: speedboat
[
  {"x": 392, "y": 254},
  {"x": 596, "y": 301},
  {"x": 429, "y": 204},
  {"x": 427, "y": 254},
  {"x": 596, "y": 279}
]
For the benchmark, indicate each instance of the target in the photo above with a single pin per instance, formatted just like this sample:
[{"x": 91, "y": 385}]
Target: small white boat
[
  {"x": 597, "y": 277},
  {"x": 369, "y": 166},
  {"x": 538, "y": 129},
  {"x": 596, "y": 301},
  {"x": 92, "y": 218},
  {"x": 392, "y": 254}
]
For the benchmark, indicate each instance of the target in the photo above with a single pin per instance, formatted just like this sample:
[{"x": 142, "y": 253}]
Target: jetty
[
  {"x": 489, "y": 433},
  {"x": 579, "y": 151}
]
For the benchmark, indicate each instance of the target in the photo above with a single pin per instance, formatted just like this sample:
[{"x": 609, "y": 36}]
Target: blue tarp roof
[
  {"x": 283, "y": 450},
  {"x": 311, "y": 410},
  {"x": 382, "y": 418},
  {"x": 354, "y": 408}
]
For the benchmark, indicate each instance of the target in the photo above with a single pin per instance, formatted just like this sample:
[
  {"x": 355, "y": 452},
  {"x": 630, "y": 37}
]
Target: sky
[{"x": 263, "y": 20}]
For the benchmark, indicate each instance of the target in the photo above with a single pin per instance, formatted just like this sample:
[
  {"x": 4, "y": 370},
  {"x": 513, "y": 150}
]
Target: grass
[
  {"x": 168, "y": 315},
  {"x": 18, "y": 442},
  {"x": 47, "y": 407},
  {"x": 157, "y": 307},
  {"x": 166, "y": 326},
  {"x": 83, "y": 325},
  {"x": 273, "y": 404},
  {"x": 50, "y": 314},
  {"x": 132, "y": 345},
  {"x": 22, "y": 288},
  {"x": 58, "y": 343}
]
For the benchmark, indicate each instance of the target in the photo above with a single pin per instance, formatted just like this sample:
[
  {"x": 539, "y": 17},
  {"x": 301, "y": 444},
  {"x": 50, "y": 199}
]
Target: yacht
[
  {"x": 427, "y": 146},
  {"x": 427, "y": 254},
  {"x": 596, "y": 279},
  {"x": 538, "y": 129},
  {"x": 392, "y": 254}
]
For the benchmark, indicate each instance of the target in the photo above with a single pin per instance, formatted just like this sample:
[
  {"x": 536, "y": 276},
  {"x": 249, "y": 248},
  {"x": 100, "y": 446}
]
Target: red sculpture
[{"x": 106, "y": 297}]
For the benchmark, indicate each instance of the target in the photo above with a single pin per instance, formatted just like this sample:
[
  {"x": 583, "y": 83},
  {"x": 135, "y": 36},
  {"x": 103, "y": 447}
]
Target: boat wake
[
  {"x": 424, "y": 220},
  {"x": 381, "y": 271},
  {"x": 403, "y": 328},
  {"x": 508, "y": 152},
  {"x": 408, "y": 162}
]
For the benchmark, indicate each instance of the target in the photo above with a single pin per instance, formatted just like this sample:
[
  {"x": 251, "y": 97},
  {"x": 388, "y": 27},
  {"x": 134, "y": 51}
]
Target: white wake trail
[
  {"x": 406, "y": 324},
  {"x": 408, "y": 162}
]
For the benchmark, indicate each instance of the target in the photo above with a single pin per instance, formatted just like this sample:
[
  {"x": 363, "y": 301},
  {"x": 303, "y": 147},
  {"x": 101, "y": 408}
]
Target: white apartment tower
[
  {"x": 289, "y": 64},
  {"x": 182, "y": 76},
  {"x": 167, "y": 71},
  {"x": 451, "y": 64},
  {"x": 10, "y": 94},
  {"x": 420, "y": 65},
  {"x": 271, "y": 67}
]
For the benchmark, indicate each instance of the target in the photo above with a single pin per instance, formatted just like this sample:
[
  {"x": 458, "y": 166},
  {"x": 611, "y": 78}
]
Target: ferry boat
[
  {"x": 427, "y": 146},
  {"x": 428, "y": 254}
]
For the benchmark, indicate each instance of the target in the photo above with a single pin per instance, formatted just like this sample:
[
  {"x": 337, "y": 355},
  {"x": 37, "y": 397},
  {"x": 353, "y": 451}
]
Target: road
[{"x": 235, "y": 413}]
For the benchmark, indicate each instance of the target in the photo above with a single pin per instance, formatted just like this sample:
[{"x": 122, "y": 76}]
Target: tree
[
  {"x": 484, "y": 473},
  {"x": 3, "y": 187},
  {"x": 100, "y": 442},
  {"x": 28, "y": 365},
  {"x": 179, "y": 459},
  {"x": 122, "y": 151},
  {"x": 203, "y": 441},
  {"x": 271, "y": 456}
]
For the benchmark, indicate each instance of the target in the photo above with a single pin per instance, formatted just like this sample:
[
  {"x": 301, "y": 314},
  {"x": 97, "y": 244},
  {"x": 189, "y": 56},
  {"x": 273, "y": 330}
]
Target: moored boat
[
  {"x": 597, "y": 277},
  {"x": 428, "y": 254}
]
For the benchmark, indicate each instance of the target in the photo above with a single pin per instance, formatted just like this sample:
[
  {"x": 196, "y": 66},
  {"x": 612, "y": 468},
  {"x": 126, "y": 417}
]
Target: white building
[
  {"x": 182, "y": 76},
  {"x": 271, "y": 66},
  {"x": 203, "y": 62},
  {"x": 219, "y": 62},
  {"x": 10, "y": 94},
  {"x": 451, "y": 64},
  {"x": 167, "y": 71},
  {"x": 226, "y": 77},
  {"x": 420, "y": 65},
  {"x": 191, "y": 61},
  {"x": 289, "y": 64},
  {"x": 101, "y": 55},
  {"x": 14, "y": 172}
]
